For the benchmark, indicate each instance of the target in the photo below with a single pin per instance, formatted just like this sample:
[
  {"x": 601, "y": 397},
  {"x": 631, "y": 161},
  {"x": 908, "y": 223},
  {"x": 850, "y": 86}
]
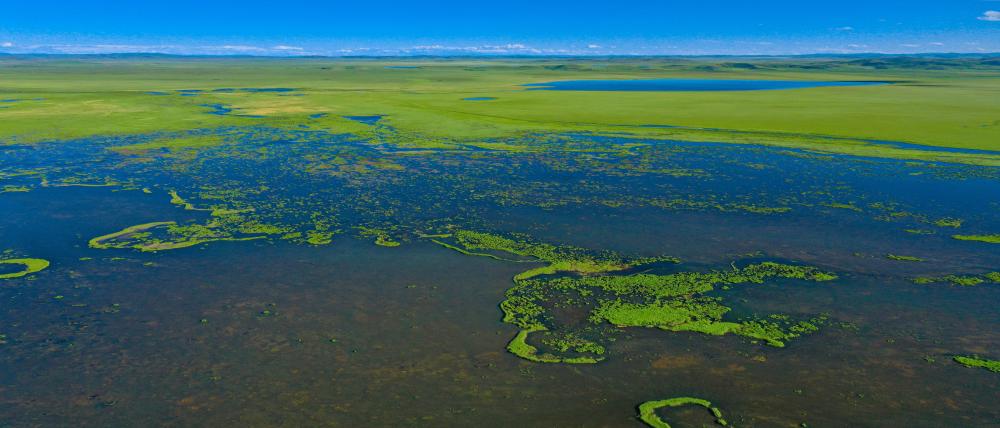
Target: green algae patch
[
  {"x": 315, "y": 237},
  {"x": 467, "y": 252},
  {"x": 559, "y": 258},
  {"x": 176, "y": 199},
  {"x": 843, "y": 206},
  {"x": 696, "y": 204},
  {"x": 519, "y": 346},
  {"x": 757, "y": 209},
  {"x": 108, "y": 241},
  {"x": 990, "y": 239},
  {"x": 170, "y": 144},
  {"x": 965, "y": 281},
  {"x": 949, "y": 222},
  {"x": 903, "y": 258},
  {"x": 960, "y": 280},
  {"x": 977, "y": 362},
  {"x": 30, "y": 266},
  {"x": 647, "y": 410},
  {"x": 595, "y": 283},
  {"x": 381, "y": 236},
  {"x": 678, "y": 302},
  {"x": 162, "y": 236},
  {"x": 384, "y": 241},
  {"x": 14, "y": 189}
]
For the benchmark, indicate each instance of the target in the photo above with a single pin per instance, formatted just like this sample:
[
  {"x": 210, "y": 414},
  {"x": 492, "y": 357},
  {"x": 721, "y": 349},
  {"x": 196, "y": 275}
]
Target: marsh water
[
  {"x": 272, "y": 332},
  {"x": 687, "y": 85}
]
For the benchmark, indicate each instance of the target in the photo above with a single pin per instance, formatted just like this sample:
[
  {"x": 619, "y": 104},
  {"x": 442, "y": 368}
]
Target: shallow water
[
  {"x": 367, "y": 120},
  {"x": 269, "y": 332},
  {"x": 686, "y": 85}
]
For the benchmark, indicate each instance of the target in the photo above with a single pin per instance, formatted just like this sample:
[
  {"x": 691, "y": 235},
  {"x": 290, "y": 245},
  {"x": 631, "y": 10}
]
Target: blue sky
[{"x": 295, "y": 27}]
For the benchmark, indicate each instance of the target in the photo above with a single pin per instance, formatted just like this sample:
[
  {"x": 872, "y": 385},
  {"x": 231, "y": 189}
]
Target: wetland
[{"x": 352, "y": 242}]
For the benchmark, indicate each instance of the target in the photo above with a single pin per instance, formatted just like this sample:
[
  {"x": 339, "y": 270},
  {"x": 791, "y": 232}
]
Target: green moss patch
[
  {"x": 519, "y": 346},
  {"x": 30, "y": 266},
  {"x": 990, "y": 239},
  {"x": 162, "y": 236},
  {"x": 382, "y": 237},
  {"x": 960, "y": 280},
  {"x": 903, "y": 258},
  {"x": 594, "y": 282},
  {"x": 647, "y": 410},
  {"x": 975, "y": 361}
]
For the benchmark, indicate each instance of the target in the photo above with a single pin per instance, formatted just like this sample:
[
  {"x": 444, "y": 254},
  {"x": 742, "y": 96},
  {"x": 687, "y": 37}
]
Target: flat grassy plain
[{"x": 940, "y": 104}]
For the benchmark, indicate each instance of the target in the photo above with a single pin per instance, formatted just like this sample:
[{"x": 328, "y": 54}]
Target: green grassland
[{"x": 946, "y": 103}]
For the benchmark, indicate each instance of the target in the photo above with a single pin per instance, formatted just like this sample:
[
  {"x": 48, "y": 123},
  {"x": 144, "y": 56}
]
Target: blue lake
[
  {"x": 479, "y": 99},
  {"x": 686, "y": 85},
  {"x": 226, "y": 110},
  {"x": 267, "y": 89},
  {"x": 367, "y": 120}
]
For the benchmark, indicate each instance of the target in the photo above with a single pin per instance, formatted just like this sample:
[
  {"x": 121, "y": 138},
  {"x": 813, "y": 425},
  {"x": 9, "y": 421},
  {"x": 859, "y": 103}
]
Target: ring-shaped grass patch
[{"x": 30, "y": 266}]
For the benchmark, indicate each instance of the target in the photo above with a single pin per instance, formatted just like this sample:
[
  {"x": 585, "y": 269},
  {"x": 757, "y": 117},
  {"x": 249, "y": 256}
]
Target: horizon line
[{"x": 503, "y": 55}]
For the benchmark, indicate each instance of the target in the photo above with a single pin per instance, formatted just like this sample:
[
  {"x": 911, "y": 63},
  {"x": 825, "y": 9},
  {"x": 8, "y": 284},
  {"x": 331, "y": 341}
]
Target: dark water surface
[
  {"x": 271, "y": 333},
  {"x": 367, "y": 120},
  {"x": 686, "y": 85}
]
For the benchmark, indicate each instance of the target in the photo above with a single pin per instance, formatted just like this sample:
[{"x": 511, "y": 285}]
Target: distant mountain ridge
[{"x": 884, "y": 56}]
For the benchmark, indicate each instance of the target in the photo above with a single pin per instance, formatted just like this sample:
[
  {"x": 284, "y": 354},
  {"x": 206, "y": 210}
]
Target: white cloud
[
  {"x": 6, "y": 45},
  {"x": 936, "y": 44},
  {"x": 287, "y": 48},
  {"x": 593, "y": 46},
  {"x": 910, "y": 45},
  {"x": 241, "y": 48},
  {"x": 101, "y": 49},
  {"x": 844, "y": 28},
  {"x": 494, "y": 49},
  {"x": 990, "y": 15}
]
